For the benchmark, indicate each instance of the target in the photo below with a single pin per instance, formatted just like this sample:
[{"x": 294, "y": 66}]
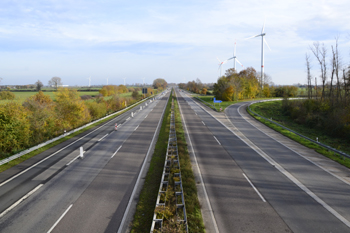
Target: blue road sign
[{"x": 217, "y": 101}]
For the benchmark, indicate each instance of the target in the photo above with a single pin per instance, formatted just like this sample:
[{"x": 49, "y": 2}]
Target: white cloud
[{"x": 183, "y": 36}]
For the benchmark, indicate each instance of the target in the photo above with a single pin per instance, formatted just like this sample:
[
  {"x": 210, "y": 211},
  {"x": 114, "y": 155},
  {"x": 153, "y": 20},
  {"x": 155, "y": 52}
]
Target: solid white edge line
[
  {"x": 284, "y": 172},
  {"x": 65, "y": 212},
  {"x": 217, "y": 140},
  {"x": 20, "y": 200},
  {"x": 199, "y": 172},
  {"x": 121, "y": 226},
  {"x": 256, "y": 190},
  {"x": 102, "y": 138},
  {"x": 136, "y": 127},
  {"x": 116, "y": 151}
]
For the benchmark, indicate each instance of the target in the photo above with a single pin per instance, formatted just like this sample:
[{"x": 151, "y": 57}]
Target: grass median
[
  {"x": 193, "y": 208},
  {"x": 145, "y": 208},
  {"x": 272, "y": 110}
]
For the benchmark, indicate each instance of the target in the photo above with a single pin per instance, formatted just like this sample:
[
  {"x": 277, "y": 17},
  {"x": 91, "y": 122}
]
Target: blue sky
[{"x": 174, "y": 40}]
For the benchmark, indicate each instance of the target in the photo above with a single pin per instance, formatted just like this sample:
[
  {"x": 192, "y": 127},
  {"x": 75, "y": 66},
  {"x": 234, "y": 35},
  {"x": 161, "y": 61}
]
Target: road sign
[
  {"x": 116, "y": 126},
  {"x": 217, "y": 101}
]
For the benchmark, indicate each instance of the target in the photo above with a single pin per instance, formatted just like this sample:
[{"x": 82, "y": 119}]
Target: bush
[{"x": 7, "y": 95}]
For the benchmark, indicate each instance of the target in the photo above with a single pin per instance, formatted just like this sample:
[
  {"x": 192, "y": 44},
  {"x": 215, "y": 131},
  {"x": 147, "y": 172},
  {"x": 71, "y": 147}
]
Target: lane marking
[
  {"x": 217, "y": 140},
  {"x": 195, "y": 113},
  {"x": 116, "y": 151},
  {"x": 65, "y": 212},
  {"x": 136, "y": 127},
  {"x": 102, "y": 138},
  {"x": 256, "y": 190},
  {"x": 127, "y": 119},
  {"x": 121, "y": 226},
  {"x": 203, "y": 123},
  {"x": 199, "y": 172},
  {"x": 146, "y": 116},
  {"x": 74, "y": 159},
  {"x": 283, "y": 171},
  {"x": 20, "y": 200}
]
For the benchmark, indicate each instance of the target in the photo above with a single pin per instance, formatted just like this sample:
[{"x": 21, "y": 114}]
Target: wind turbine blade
[
  {"x": 239, "y": 62},
  {"x": 262, "y": 31},
  {"x": 218, "y": 59},
  {"x": 224, "y": 61},
  {"x": 267, "y": 44},
  {"x": 252, "y": 37}
]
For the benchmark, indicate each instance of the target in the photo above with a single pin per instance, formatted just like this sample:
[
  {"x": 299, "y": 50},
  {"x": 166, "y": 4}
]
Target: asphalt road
[
  {"x": 300, "y": 197},
  {"x": 95, "y": 190}
]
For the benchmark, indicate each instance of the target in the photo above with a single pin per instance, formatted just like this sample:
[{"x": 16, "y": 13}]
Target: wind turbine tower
[
  {"x": 107, "y": 81},
  {"x": 235, "y": 58},
  {"x": 124, "y": 81},
  {"x": 262, "y": 51},
  {"x": 220, "y": 65},
  {"x": 143, "y": 81},
  {"x": 89, "y": 80}
]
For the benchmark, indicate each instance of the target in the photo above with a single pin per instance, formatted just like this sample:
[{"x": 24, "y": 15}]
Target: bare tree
[
  {"x": 320, "y": 54},
  {"x": 308, "y": 67},
  {"x": 38, "y": 85},
  {"x": 55, "y": 82}
]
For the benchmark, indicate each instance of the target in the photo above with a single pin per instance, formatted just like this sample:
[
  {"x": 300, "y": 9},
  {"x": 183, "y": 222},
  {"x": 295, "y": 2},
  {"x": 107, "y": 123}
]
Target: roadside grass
[
  {"x": 272, "y": 110},
  {"x": 224, "y": 104},
  {"x": 147, "y": 201},
  {"x": 193, "y": 208},
  {"x": 44, "y": 148}
]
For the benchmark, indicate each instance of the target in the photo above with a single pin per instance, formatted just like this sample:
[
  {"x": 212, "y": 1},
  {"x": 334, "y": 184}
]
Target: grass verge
[
  {"x": 145, "y": 208},
  {"x": 224, "y": 104},
  {"x": 44, "y": 148},
  {"x": 271, "y": 109},
  {"x": 193, "y": 208}
]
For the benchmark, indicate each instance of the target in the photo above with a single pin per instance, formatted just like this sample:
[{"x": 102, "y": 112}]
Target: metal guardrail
[
  {"x": 171, "y": 167},
  {"x": 307, "y": 138}
]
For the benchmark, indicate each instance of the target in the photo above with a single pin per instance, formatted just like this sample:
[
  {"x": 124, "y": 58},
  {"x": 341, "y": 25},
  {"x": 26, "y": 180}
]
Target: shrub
[{"x": 7, "y": 95}]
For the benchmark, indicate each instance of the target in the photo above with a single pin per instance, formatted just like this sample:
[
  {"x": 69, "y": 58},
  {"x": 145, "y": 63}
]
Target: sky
[{"x": 179, "y": 41}]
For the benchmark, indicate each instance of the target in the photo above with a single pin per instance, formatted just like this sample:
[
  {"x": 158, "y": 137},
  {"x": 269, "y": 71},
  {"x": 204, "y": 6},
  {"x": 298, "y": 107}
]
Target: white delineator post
[
  {"x": 81, "y": 152},
  {"x": 132, "y": 114},
  {"x": 116, "y": 126}
]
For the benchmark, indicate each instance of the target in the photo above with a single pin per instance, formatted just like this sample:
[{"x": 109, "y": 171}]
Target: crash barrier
[{"x": 171, "y": 171}]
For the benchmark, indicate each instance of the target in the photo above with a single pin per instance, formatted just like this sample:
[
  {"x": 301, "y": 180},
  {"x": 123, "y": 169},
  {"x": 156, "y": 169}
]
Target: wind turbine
[
  {"x": 124, "y": 81},
  {"x": 262, "y": 51},
  {"x": 235, "y": 58},
  {"x": 220, "y": 64},
  {"x": 89, "y": 80},
  {"x": 107, "y": 81},
  {"x": 143, "y": 81}
]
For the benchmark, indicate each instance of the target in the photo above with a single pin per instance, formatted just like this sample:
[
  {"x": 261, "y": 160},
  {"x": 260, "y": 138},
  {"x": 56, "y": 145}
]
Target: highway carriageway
[{"x": 58, "y": 191}]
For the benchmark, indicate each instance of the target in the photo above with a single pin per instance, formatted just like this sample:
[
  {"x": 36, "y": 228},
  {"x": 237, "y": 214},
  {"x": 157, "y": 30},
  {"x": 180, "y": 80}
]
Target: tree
[
  {"x": 308, "y": 67},
  {"x": 159, "y": 83},
  {"x": 71, "y": 110},
  {"x": 39, "y": 85},
  {"x": 135, "y": 94},
  {"x": 320, "y": 54},
  {"x": 55, "y": 82},
  {"x": 204, "y": 91}
]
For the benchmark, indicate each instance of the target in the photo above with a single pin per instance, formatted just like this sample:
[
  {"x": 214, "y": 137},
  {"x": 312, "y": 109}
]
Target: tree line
[
  {"x": 328, "y": 101},
  {"x": 39, "y": 118},
  {"x": 245, "y": 84}
]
